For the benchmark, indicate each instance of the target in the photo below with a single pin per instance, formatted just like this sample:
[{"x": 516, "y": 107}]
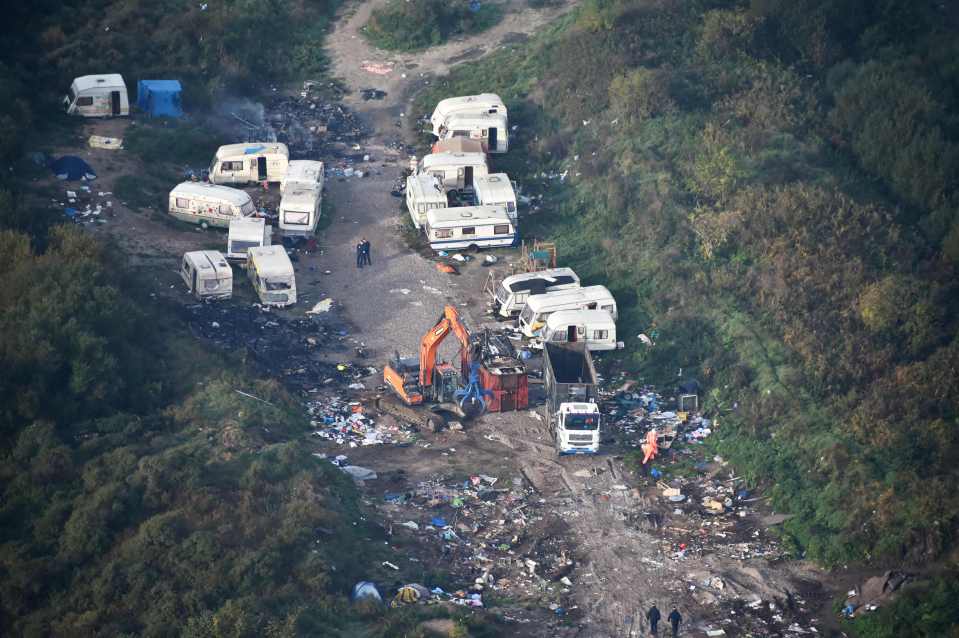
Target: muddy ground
[{"x": 603, "y": 543}]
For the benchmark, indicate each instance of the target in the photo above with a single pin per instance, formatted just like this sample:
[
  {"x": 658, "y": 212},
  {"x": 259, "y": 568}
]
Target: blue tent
[
  {"x": 160, "y": 98},
  {"x": 72, "y": 168}
]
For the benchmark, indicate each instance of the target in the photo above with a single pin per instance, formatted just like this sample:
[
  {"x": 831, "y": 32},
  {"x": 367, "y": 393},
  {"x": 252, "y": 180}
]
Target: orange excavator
[{"x": 421, "y": 381}]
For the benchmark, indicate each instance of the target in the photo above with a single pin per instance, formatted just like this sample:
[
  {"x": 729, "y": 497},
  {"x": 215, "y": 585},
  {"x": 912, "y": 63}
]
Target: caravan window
[
  {"x": 559, "y": 335},
  {"x": 608, "y": 309},
  {"x": 501, "y": 229},
  {"x": 443, "y": 233},
  {"x": 231, "y": 166},
  {"x": 182, "y": 202},
  {"x": 85, "y": 101},
  {"x": 510, "y": 207},
  {"x": 247, "y": 208},
  {"x": 600, "y": 335},
  {"x": 226, "y": 209},
  {"x": 295, "y": 217},
  {"x": 469, "y": 230}
]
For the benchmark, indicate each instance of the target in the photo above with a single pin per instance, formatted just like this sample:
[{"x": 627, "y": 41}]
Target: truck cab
[{"x": 576, "y": 428}]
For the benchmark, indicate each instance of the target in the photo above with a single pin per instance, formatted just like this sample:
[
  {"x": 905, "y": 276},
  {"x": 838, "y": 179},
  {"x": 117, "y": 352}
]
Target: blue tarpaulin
[
  {"x": 160, "y": 98},
  {"x": 72, "y": 168}
]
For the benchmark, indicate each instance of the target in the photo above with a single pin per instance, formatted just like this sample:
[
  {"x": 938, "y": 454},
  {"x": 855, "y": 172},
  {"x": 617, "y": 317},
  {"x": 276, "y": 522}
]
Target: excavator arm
[{"x": 449, "y": 322}]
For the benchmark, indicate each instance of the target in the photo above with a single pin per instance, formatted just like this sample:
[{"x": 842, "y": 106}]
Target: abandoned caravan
[
  {"x": 424, "y": 193},
  {"x": 595, "y": 328},
  {"x": 271, "y": 273},
  {"x": 489, "y": 129},
  {"x": 508, "y": 297},
  {"x": 98, "y": 96},
  {"x": 540, "y": 307},
  {"x": 207, "y": 274},
  {"x": 465, "y": 104},
  {"x": 299, "y": 211},
  {"x": 454, "y": 170},
  {"x": 303, "y": 174},
  {"x": 209, "y": 204},
  {"x": 496, "y": 190},
  {"x": 253, "y": 162},
  {"x": 472, "y": 227},
  {"x": 246, "y": 233}
]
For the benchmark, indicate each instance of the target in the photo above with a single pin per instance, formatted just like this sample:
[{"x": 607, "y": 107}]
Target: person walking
[
  {"x": 360, "y": 256},
  {"x": 674, "y": 619},
  {"x": 653, "y": 617},
  {"x": 367, "y": 258}
]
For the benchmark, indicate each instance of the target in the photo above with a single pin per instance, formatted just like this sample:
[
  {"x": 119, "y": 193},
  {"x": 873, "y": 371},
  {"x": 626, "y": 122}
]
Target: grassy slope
[{"x": 730, "y": 176}]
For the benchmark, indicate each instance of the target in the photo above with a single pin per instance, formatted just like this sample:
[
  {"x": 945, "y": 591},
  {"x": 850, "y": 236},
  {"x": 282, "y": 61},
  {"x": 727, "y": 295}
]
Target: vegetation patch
[
  {"x": 411, "y": 25},
  {"x": 728, "y": 174}
]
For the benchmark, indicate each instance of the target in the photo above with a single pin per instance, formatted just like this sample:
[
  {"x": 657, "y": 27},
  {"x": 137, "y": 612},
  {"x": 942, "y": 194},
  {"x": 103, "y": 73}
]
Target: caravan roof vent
[
  {"x": 492, "y": 178},
  {"x": 466, "y": 213}
]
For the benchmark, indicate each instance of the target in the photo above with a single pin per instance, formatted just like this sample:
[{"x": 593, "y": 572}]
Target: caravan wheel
[
  {"x": 204, "y": 225},
  {"x": 473, "y": 248}
]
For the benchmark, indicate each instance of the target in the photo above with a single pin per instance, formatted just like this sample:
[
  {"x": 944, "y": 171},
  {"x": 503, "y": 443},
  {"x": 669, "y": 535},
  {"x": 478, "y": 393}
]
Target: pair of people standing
[
  {"x": 653, "y": 617},
  {"x": 363, "y": 257}
]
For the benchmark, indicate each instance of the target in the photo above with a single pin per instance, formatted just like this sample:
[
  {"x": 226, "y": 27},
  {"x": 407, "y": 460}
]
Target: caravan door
[
  {"x": 492, "y": 139},
  {"x": 261, "y": 168},
  {"x": 468, "y": 177},
  {"x": 115, "y": 102}
]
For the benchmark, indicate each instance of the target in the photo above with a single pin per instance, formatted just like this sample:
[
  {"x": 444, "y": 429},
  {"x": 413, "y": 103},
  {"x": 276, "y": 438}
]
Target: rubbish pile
[
  {"x": 311, "y": 125},
  {"x": 345, "y": 422},
  {"x": 493, "y": 537},
  {"x": 86, "y": 206},
  {"x": 285, "y": 348}
]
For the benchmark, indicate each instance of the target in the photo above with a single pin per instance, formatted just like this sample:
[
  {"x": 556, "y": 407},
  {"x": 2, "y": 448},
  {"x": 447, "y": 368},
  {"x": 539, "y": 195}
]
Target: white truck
[{"x": 572, "y": 415}]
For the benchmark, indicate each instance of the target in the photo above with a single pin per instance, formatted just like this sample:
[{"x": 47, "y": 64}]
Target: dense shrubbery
[
  {"x": 408, "y": 25},
  {"x": 773, "y": 187}
]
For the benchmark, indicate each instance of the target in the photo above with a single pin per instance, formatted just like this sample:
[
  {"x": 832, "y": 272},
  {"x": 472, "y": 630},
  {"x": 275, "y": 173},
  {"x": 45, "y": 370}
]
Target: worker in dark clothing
[
  {"x": 360, "y": 257},
  {"x": 674, "y": 619},
  {"x": 653, "y": 617},
  {"x": 367, "y": 258}
]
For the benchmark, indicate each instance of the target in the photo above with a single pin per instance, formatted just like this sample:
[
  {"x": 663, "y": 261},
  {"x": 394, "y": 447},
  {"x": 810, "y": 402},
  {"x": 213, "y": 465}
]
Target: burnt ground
[{"x": 563, "y": 546}]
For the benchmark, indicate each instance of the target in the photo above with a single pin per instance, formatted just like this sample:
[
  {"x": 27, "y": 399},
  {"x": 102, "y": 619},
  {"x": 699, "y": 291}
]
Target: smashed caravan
[
  {"x": 209, "y": 204},
  {"x": 98, "y": 96},
  {"x": 508, "y": 297},
  {"x": 538, "y": 308},
  {"x": 253, "y": 162}
]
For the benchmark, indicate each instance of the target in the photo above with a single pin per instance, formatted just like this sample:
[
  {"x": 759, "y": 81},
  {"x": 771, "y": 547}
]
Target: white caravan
[
  {"x": 483, "y": 103},
  {"x": 271, "y": 272},
  {"x": 470, "y": 227},
  {"x": 424, "y": 193},
  {"x": 496, "y": 190},
  {"x": 246, "y": 233},
  {"x": 540, "y": 307},
  {"x": 455, "y": 170},
  {"x": 595, "y": 328},
  {"x": 508, "y": 297},
  {"x": 251, "y": 162},
  {"x": 207, "y": 274},
  {"x": 303, "y": 174},
  {"x": 489, "y": 129},
  {"x": 208, "y": 204},
  {"x": 98, "y": 96},
  {"x": 299, "y": 211}
]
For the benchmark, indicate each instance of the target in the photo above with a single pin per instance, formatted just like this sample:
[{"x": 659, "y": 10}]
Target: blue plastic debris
[
  {"x": 655, "y": 473},
  {"x": 438, "y": 521}
]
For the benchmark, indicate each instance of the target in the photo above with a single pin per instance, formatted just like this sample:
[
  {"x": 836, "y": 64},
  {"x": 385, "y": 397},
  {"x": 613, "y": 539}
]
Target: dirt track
[{"x": 622, "y": 565}]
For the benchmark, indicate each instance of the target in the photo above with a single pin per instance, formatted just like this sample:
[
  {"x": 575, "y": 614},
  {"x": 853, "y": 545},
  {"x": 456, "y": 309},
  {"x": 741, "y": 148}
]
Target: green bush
[{"x": 409, "y": 25}]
